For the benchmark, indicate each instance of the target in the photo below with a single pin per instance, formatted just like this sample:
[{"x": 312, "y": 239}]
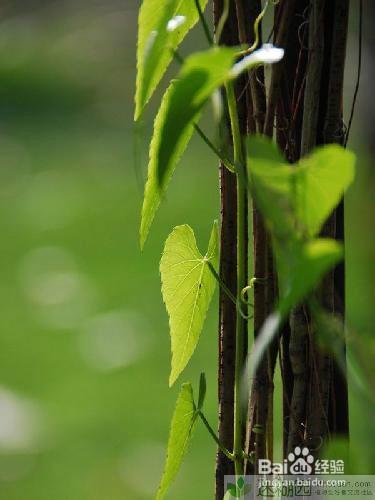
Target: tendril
[
  {"x": 228, "y": 293},
  {"x": 256, "y": 27},
  {"x": 222, "y": 21},
  {"x": 243, "y": 293}
]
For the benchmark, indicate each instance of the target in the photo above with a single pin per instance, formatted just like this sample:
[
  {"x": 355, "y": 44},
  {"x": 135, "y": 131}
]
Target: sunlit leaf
[
  {"x": 182, "y": 426},
  {"x": 153, "y": 191},
  {"x": 201, "y": 75},
  {"x": 187, "y": 288},
  {"x": 298, "y": 198},
  {"x": 181, "y": 106},
  {"x": 162, "y": 26}
]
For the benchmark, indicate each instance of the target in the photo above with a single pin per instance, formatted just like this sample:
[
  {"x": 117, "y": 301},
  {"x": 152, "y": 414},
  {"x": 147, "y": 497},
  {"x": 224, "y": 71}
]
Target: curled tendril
[
  {"x": 249, "y": 287},
  {"x": 228, "y": 293},
  {"x": 243, "y": 293},
  {"x": 244, "y": 316},
  {"x": 256, "y": 27},
  {"x": 222, "y": 21}
]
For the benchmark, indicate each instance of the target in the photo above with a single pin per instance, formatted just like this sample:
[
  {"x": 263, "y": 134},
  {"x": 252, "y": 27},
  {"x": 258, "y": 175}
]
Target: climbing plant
[{"x": 293, "y": 189}]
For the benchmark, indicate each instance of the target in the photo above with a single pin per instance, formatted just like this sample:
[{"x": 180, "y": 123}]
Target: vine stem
[
  {"x": 214, "y": 436},
  {"x": 241, "y": 277}
]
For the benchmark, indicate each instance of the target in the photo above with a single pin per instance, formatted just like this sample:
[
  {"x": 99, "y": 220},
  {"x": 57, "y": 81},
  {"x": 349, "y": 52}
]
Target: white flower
[{"x": 267, "y": 54}]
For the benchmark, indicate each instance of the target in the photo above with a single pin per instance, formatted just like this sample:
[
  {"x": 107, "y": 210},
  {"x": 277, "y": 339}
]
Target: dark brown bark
[
  {"x": 284, "y": 17},
  {"x": 288, "y": 96},
  {"x": 227, "y": 325},
  {"x": 298, "y": 355},
  {"x": 317, "y": 388},
  {"x": 311, "y": 389},
  {"x": 332, "y": 130},
  {"x": 227, "y": 310},
  {"x": 305, "y": 102}
]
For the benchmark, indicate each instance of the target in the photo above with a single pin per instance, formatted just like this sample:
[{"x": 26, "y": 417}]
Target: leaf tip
[
  {"x": 137, "y": 113},
  {"x": 172, "y": 378}
]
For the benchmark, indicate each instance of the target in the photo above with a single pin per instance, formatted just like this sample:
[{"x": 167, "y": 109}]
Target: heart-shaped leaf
[
  {"x": 182, "y": 427},
  {"x": 162, "y": 25},
  {"x": 187, "y": 288},
  {"x": 298, "y": 199}
]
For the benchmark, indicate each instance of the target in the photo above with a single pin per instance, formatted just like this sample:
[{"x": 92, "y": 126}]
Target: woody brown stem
[{"x": 227, "y": 310}]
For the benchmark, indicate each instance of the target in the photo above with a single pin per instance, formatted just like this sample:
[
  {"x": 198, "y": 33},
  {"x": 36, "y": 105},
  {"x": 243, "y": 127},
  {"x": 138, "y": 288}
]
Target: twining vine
[{"x": 295, "y": 245}]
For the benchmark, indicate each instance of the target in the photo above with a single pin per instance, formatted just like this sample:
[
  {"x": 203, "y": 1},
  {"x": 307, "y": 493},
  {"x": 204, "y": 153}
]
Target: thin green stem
[
  {"x": 226, "y": 452},
  {"x": 227, "y": 163},
  {"x": 206, "y": 29},
  {"x": 223, "y": 19},
  {"x": 256, "y": 31},
  {"x": 241, "y": 276},
  {"x": 228, "y": 293}
]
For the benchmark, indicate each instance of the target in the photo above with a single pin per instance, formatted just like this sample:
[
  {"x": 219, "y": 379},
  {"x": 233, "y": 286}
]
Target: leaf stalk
[{"x": 226, "y": 452}]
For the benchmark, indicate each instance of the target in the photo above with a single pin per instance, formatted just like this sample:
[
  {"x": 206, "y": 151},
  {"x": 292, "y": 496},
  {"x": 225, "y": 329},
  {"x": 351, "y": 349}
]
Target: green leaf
[
  {"x": 302, "y": 265},
  {"x": 181, "y": 106},
  {"x": 187, "y": 288},
  {"x": 201, "y": 75},
  {"x": 154, "y": 192},
  {"x": 182, "y": 427},
  {"x": 322, "y": 179},
  {"x": 299, "y": 197},
  {"x": 162, "y": 25}
]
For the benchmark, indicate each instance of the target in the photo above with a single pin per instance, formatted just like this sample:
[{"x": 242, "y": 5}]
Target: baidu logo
[{"x": 300, "y": 461}]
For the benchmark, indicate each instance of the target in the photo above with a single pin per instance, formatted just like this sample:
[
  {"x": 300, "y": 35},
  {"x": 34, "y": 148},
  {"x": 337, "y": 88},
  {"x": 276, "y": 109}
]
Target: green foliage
[
  {"x": 187, "y": 287},
  {"x": 300, "y": 267},
  {"x": 296, "y": 200},
  {"x": 181, "y": 106},
  {"x": 202, "y": 73},
  {"x": 182, "y": 427},
  {"x": 153, "y": 192},
  {"x": 161, "y": 28}
]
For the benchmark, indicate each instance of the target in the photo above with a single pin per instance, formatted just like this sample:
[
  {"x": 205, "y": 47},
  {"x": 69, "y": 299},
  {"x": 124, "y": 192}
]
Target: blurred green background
[{"x": 84, "y": 347}]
